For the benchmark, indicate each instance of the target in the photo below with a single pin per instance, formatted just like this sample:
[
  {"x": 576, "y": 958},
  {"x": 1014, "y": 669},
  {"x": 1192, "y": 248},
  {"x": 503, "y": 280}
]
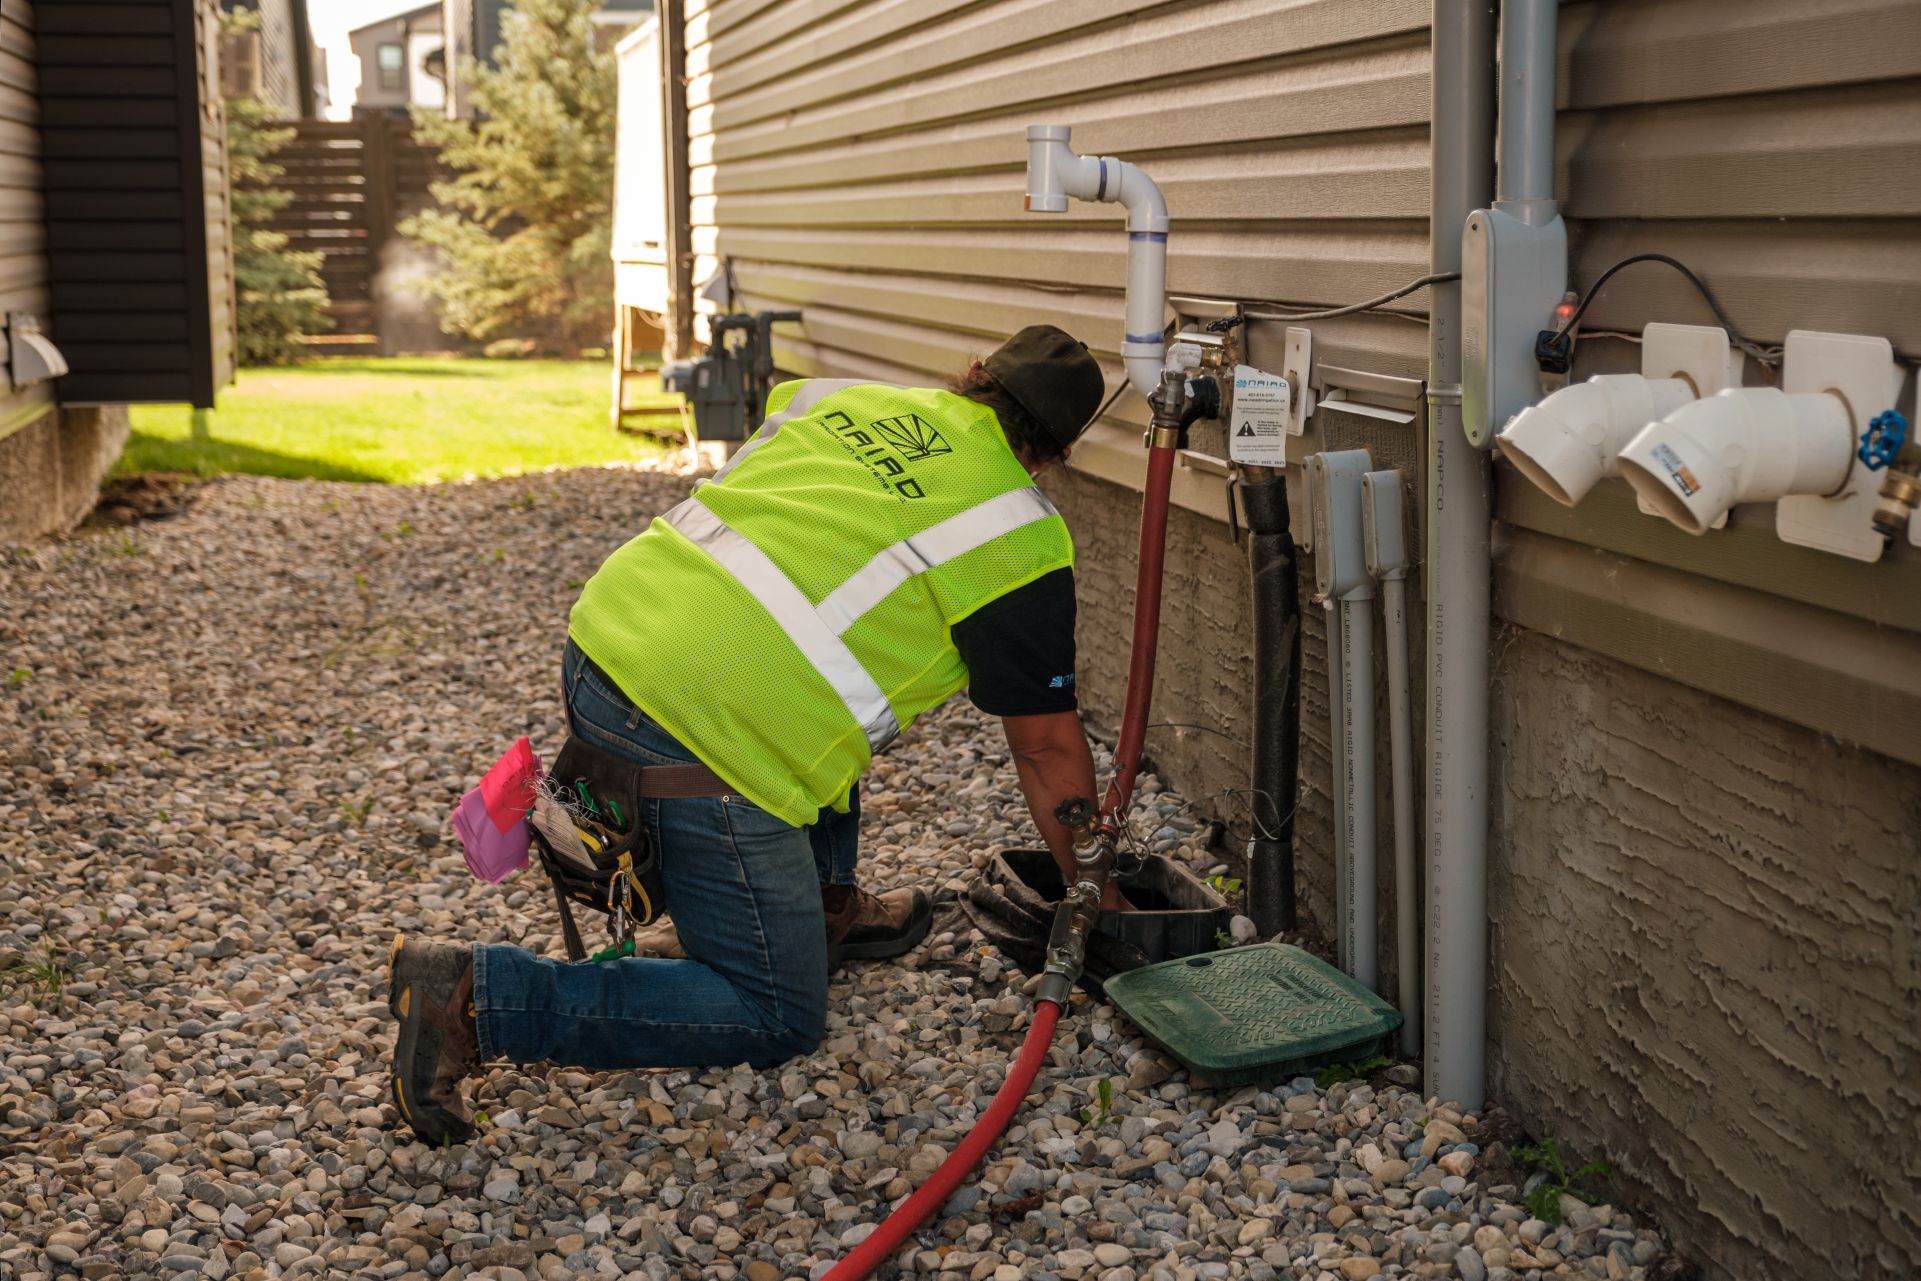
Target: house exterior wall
[
  {"x": 403, "y": 31},
  {"x": 864, "y": 162},
  {"x": 23, "y": 235},
  {"x": 113, "y": 231}
]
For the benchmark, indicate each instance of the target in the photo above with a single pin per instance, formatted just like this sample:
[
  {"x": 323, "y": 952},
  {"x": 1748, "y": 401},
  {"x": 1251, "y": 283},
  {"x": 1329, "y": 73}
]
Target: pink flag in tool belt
[{"x": 491, "y": 819}]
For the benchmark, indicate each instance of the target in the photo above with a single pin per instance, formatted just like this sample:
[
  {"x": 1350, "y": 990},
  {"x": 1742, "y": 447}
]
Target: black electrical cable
[
  {"x": 1438, "y": 278},
  {"x": 1553, "y": 349}
]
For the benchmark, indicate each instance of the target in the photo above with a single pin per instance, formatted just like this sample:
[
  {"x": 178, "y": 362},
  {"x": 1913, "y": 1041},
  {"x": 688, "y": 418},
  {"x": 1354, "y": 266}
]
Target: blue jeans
[{"x": 744, "y": 891}]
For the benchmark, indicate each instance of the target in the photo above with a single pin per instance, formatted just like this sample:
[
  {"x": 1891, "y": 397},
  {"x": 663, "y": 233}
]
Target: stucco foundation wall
[
  {"x": 1707, "y": 963},
  {"x": 1706, "y": 950},
  {"x": 50, "y": 469}
]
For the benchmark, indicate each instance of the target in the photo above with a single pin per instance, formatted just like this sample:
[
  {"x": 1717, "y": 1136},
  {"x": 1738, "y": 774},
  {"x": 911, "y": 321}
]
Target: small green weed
[
  {"x": 124, "y": 546},
  {"x": 524, "y": 503},
  {"x": 1229, "y": 886},
  {"x": 499, "y": 555},
  {"x": 1223, "y": 940},
  {"x": 360, "y": 581},
  {"x": 1103, "y": 1111},
  {"x": 575, "y": 584},
  {"x": 1544, "y": 1203},
  {"x": 405, "y": 529},
  {"x": 18, "y": 677},
  {"x": 356, "y": 813},
  {"x": 482, "y": 1119},
  {"x": 47, "y": 974},
  {"x": 1335, "y": 1073}
]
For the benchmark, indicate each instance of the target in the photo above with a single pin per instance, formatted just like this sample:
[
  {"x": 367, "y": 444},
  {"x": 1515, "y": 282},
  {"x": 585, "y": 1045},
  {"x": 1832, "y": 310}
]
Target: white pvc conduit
[
  {"x": 1746, "y": 445},
  {"x": 1054, "y": 173}
]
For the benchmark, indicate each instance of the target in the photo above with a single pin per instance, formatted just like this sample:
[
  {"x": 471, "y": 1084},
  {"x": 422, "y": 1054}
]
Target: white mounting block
[{"x": 1861, "y": 371}]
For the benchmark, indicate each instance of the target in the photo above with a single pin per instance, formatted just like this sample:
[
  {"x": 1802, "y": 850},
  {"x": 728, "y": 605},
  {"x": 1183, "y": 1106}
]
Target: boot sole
[{"x": 889, "y": 948}]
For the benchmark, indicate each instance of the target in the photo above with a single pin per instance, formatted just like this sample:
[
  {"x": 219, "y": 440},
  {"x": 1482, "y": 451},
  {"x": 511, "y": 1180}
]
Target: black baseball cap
[{"x": 1051, "y": 375}]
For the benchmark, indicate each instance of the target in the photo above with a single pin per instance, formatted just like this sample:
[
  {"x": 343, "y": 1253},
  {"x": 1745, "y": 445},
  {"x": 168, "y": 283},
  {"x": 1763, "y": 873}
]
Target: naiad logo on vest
[{"x": 886, "y": 446}]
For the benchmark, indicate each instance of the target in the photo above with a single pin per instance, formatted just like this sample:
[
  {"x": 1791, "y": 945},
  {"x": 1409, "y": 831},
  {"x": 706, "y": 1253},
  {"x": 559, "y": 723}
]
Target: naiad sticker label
[
  {"x": 1677, "y": 471},
  {"x": 1257, "y": 421}
]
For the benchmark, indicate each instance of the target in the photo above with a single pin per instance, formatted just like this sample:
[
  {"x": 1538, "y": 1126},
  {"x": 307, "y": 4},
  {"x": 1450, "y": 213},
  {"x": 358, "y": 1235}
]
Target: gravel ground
[{"x": 230, "y": 744}]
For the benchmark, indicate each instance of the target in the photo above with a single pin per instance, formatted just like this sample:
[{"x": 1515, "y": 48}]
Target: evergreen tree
[
  {"x": 278, "y": 293},
  {"x": 525, "y": 228}
]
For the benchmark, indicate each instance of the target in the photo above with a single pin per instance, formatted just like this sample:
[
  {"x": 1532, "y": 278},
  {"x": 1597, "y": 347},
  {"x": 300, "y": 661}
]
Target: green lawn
[{"x": 401, "y": 421}]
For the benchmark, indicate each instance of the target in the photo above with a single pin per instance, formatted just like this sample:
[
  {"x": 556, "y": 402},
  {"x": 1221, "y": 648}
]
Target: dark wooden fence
[{"x": 352, "y": 183}]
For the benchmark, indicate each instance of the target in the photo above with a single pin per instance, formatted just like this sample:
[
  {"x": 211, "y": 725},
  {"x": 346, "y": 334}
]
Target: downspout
[{"x": 1457, "y": 572}]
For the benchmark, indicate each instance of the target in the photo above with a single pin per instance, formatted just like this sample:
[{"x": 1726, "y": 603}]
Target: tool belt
[{"x": 615, "y": 867}]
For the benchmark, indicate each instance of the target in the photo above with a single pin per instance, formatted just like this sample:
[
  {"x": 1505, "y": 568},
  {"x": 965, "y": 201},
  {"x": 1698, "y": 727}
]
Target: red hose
[
  {"x": 1147, "y": 630},
  {"x": 931, "y": 1195},
  {"x": 881, "y": 1244}
]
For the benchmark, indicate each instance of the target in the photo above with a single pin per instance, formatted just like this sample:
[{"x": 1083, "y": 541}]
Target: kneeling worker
[{"x": 872, "y": 550}]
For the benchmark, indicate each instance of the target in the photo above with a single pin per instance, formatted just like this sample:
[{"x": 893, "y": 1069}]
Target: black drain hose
[{"x": 1274, "y": 574}]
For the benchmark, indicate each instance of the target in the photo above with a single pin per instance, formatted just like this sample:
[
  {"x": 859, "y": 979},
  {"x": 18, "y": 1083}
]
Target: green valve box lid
[{"x": 1253, "y": 1014}]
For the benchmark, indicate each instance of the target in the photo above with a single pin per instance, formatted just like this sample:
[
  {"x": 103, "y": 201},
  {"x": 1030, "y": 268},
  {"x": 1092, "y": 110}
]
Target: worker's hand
[{"x": 1055, "y": 765}]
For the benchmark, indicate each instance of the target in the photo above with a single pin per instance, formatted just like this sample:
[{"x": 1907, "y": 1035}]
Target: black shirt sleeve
[{"x": 1019, "y": 649}]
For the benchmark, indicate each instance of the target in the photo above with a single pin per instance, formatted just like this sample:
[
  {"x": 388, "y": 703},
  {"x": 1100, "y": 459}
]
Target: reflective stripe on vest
[
  {"x": 936, "y": 545},
  {"x": 820, "y": 644},
  {"x": 816, "y": 630}
]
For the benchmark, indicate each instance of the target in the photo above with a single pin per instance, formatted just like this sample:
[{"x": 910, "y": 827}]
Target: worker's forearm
[{"x": 1048, "y": 778}]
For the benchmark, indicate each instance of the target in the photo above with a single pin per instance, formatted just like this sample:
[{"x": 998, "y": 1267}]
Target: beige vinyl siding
[
  {"x": 866, "y": 163},
  {"x": 23, "y": 241},
  {"x": 221, "y": 320}
]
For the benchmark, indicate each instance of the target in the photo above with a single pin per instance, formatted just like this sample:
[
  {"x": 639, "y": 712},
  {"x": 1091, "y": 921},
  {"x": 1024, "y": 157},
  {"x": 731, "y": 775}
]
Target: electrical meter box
[{"x": 727, "y": 388}]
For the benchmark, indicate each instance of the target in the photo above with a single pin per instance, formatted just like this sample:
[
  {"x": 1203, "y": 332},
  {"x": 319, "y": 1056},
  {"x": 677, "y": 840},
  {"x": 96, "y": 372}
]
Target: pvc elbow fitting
[
  {"x": 1054, "y": 173},
  {"x": 1746, "y": 445},
  {"x": 1566, "y": 443}
]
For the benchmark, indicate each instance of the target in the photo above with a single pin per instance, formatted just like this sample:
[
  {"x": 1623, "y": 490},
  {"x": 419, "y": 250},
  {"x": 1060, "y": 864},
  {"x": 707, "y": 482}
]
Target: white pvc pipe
[
  {"x": 1746, "y": 445},
  {"x": 1401, "y": 744},
  {"x": 1055, "y": 172},
  {"x": 1566, "y": 443},
  {"x": 1360, "y": 947}
]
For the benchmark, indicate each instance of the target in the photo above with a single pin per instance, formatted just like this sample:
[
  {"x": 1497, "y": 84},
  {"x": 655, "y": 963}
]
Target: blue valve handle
[{"x": 1883, "y": 439}]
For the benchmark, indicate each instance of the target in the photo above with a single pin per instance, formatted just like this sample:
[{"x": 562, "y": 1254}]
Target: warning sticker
[{"x": 1257, "y": 422}]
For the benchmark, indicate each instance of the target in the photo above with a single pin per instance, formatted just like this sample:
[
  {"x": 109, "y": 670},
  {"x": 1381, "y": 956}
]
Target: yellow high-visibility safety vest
[{"x": 791, "y": 617}]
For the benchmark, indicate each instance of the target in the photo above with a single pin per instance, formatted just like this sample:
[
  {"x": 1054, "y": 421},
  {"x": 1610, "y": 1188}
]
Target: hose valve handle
[{"x": 1886, "y": 434}]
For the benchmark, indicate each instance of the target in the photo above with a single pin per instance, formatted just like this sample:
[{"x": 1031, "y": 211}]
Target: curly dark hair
[{"x": 1024, "y": 432}]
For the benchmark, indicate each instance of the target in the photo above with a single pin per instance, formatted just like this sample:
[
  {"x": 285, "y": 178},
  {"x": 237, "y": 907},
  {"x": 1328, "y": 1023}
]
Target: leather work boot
[
  {"x": 871, "y": 927},
  {"x": 431, "y": 992}
]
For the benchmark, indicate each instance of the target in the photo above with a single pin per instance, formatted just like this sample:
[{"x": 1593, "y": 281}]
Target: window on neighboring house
[{"x": 392, "y": 62}]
